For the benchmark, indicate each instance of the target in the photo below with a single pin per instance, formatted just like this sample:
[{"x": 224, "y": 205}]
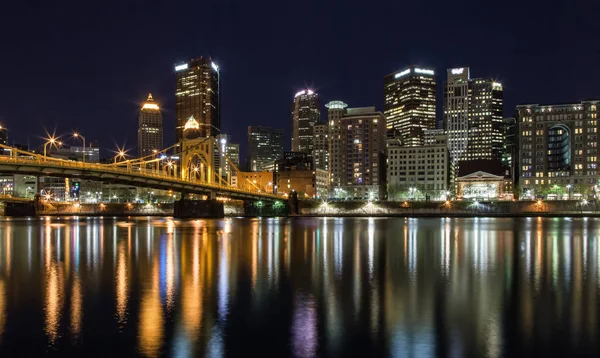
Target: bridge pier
[
  {"x": 257, "y": 208},
  {"x": 198, "y": 209},
  {"x": 23, "y": 209}
]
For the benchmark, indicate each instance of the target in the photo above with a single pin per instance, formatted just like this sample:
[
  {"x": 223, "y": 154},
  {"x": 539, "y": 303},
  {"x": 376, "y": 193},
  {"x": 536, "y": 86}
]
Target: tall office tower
[
  {"x": 150, "y": 128},
  {"x": 265, "y": 145},
  {"x": 321, "y": 146},
  {"x": 558, "y": 150},
  {"x": 232, "y": 151},
  {"x": 473, "y": 116},
  {"x": 197, "y": 94},
  {"x": 409, "y": 104},
  {"x": 305, "y": 114},
  {"x": 356, "y": 151}
]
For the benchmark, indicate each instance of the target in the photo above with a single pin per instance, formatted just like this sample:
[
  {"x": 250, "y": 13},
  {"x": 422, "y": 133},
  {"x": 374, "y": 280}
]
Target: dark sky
[{"x": 90, "y": 65}]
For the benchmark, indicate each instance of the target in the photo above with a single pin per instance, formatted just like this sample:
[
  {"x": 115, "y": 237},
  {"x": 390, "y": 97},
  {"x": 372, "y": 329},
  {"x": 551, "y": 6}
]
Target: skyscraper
[
  {"x": 356, "y": 151},
  {"x": 265, "y": 145},
  {"x": 150, "y": 128},
  {"x": 305, "y": 114},
  {"x": 409, "y": 104},
  {"x": 321, "y": 146},
  {"x": 473, "y": 116},
  {"x": 232, "y": 151},
  {"x": 197, "y": 95}
]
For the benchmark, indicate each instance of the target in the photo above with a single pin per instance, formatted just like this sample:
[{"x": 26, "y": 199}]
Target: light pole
[
  {"x": 120, "y": 154},
  {"x": 556, "y": 191},
  {"x": 569, "y": 189},
  {"x": 77, "y": 135},
  {"x": 52, "y": 141}
]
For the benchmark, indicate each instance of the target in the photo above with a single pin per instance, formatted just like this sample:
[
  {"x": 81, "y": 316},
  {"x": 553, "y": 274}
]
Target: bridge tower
[{"x": 197, "y": 155}]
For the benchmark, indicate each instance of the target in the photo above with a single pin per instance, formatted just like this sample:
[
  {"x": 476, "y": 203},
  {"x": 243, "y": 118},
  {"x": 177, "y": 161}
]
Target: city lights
[{"x": 181, "y": 67}]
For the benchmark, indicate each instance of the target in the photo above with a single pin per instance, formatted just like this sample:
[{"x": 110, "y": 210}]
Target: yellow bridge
[{"x": 193, "y": 173}]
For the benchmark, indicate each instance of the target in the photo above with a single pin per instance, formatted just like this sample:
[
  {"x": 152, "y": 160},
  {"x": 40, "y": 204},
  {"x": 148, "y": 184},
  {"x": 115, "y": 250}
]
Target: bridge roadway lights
[
  {"x": 198, "y": 209},
  {"x": 257, "y": 208}
]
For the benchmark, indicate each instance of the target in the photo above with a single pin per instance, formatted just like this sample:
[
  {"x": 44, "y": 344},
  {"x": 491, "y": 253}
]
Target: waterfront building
[
  {"x": 321, "y": 146},
  {"x": 150, "y": 128},
  {"x": 296, "y": 171},
  {"x": 483, "y": 180},
  {"x": 197, "y": 95},
  {"x": 473, "y": 116},
  {"x": 265, "y": 145},
  {"x": 423, "y": 172},
  {"x": 356, "y": 147},
  {"x": 305, "y": 114},
  {"x": 409, "y": 103},
  {"x": 558, "y": 150},
  {"x": 260, "y": 181}
]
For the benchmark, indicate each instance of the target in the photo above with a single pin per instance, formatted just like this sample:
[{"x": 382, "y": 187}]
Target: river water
[{"x": 478, "y": 287}]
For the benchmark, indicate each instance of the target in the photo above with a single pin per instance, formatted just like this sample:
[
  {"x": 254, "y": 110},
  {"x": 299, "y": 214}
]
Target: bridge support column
[
  {"x": 198, "y": 209},
  {"x": 268, "y": 209}
]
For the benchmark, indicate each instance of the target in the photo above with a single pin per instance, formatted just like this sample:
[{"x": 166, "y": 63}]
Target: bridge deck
[{"x": 133, "y": 176}]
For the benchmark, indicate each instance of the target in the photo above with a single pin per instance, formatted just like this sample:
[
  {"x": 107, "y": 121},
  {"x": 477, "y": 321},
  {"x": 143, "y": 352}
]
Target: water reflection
[{"x": 301, "y": 287}]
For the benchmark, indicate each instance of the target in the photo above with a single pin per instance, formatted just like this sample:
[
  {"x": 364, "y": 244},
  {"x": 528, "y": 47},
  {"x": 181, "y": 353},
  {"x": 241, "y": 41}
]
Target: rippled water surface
[{"x": 300, "y": 287}]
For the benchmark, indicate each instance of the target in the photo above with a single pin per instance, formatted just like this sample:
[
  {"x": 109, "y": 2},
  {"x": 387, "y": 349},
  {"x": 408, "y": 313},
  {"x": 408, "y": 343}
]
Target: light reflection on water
[{"x": 300, "y": 287}]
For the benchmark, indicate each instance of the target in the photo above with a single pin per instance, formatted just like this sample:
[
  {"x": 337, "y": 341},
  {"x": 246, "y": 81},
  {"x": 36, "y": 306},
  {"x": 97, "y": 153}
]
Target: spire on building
[{"x": 150, "y": 104}]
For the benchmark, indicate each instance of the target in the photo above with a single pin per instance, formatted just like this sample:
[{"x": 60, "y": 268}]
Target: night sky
[{"x": 90, "y": 65}]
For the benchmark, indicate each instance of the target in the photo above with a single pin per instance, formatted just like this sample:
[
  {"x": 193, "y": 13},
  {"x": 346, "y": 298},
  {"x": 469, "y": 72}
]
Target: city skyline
[{"x": 111, "y": 93}]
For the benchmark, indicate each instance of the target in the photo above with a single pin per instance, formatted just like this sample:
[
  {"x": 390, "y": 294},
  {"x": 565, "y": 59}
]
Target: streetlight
[
  {"x": 555, "y": 187},
  {"x": 569, "y": 189},
  {"x": 53, "y": 141},
  {"x": 120, "y": 154},
  {"x": 77, "y": 135}
]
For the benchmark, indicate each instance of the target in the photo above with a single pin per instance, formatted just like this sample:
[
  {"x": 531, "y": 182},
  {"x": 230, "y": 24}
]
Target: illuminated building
[
  {"x": 321, "y": 146},
  {"x": 296, "y": 171},
  {"x": 558, "y": 146},
  {"x": 265, "y": 145},
  {"x": 305, "y": 114},
  {"x": 483, "y": 180},
  {"x": 150, "y": 128},
  {"x": 356, "y": 151},
  {"x": 473, "y": 116},
  {"x": 409, "y": 105},
  {"x": 419, "y": 172},
  {"x": 197, "y": 94},
  {"x": 232, "y": 151}
]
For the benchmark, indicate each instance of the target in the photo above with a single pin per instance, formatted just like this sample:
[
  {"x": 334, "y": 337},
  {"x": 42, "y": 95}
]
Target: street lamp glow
[{"x": 51, "y": 140}]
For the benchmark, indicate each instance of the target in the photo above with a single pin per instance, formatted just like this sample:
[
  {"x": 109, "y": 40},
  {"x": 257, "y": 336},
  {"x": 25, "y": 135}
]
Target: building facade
[
  {"x": 558, "y": 150},
  {"x": 150, "y": 128},
  {"x": 265, "y": 146},
  {"x": 227, "y": 157},
  {"x": 419, "y": 173},
  {"x": 409, "y": 104},
  {"x": 473, "y": 114},
  {"x": 321, "y": 146},
  {"x": 296, "y": 172},
  {"x": 197, "y": 95},
  {"x": 356, "y": 147},
  {"x": 483, "y": 180},
  {"x": 305, "y": 114}
]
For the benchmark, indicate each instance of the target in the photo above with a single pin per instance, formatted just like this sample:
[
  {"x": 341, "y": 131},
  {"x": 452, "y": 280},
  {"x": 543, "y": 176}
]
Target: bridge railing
[{"x": 129, "y": 170}]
